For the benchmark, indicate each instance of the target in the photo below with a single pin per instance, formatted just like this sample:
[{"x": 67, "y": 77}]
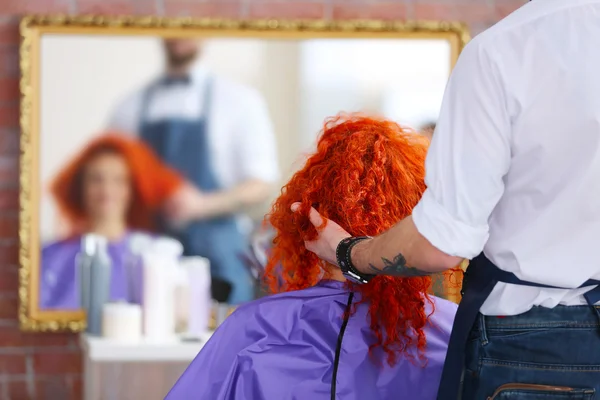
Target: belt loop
[
  {"x": 483, "y": 330},
  {"x": 593, "y": 299},
  {"x": 596, "y": 309}
]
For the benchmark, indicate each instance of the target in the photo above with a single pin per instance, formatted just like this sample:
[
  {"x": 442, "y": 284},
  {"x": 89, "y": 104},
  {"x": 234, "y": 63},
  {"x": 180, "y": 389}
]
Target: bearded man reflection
[{"x": 218, "y": 135}]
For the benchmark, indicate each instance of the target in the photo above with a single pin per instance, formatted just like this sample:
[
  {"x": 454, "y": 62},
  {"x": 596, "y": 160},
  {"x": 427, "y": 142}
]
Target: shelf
[{"x": 98, "y": 349}]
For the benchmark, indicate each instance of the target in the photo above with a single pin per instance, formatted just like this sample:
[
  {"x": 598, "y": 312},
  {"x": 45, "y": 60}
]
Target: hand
[
  {"x": 330, "y": 235},
  {"x": 185, "y": 205}
]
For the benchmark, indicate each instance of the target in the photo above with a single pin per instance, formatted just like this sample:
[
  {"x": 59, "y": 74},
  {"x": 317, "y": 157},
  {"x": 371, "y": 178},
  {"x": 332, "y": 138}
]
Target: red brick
[
  {"x": 9, "y": 199},
  {"x": 287, "y": 10},
  {"x": 9, "y": 279},
  {"x": 9, "y": 89},
  {"x": 9, "y": 226},
  {"x": 385, "y": 11},
  {"x": 9, "y": 176},
  {"x": 106, "y": 8},
  {"x": 447, "y": 11},
  {"x": 146, "y": 7},
  {"x": 222, "y": 9},
  {"x": 56, "y": 362},
  {"x": 18, "y": 390},
  {"x": 76, "y": 386},
  {"x": 9, "y": 61},
  {"x": 33, "y": 6},
  {"x": 51, "y": 339},
  {"x": 12, "y": 364},
  {"x": 9, "y": 31},
  {"x": 11, "y": 336},
  {"x": 9, "y": 115},
  {"x": 55, "y": 387},
  {"x": 116, "y": 7},
  {"x": 9, "y": 141},
  {"x": 505, "y": 7},
  {"x": 9, "y": 254},
  {"x": 9, "y": 307}
]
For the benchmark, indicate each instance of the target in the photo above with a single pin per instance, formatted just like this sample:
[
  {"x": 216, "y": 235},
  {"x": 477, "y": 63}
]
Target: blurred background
[{"x": 302, "y": 82}]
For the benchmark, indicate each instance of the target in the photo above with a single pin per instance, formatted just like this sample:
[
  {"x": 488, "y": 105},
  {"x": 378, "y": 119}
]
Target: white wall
[
  {"x": 403, "y": 80},
  {"x": 83, "y": 77}
]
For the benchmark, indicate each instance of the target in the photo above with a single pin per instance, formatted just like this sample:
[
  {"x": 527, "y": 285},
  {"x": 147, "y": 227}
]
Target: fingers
[
  {"x": 313, "y": 215},
  {"x": 315, "y": 218}
]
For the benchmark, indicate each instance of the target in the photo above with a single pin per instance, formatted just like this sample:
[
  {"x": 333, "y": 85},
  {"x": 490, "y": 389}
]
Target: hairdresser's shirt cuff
[{"x": 445, "y": 232}]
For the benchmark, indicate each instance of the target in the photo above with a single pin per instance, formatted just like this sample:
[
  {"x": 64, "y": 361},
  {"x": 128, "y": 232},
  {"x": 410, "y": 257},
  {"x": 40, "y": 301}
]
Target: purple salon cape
[
  {"x": 283, "y": 347},
  {"x": 59, "y": 288}
]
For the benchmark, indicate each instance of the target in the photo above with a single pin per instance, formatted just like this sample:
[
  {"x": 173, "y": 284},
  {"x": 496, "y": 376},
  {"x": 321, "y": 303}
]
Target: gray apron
[{"x": 183, "y": 144}]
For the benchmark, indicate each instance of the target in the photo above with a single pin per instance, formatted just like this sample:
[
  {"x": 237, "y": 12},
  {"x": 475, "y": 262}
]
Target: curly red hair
[
  {"x": 367, "y": 174},
  {"x": 153, "y": 182}
]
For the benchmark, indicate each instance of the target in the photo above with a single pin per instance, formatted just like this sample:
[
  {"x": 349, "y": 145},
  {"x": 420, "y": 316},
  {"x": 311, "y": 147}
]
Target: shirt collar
[{"x": 198, "y": 72}]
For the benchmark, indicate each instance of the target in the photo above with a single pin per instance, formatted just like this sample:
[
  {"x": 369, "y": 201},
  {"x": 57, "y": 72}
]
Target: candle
[{"x": 122, "y": 322}]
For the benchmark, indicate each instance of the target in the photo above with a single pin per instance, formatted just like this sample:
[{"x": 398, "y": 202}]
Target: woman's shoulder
[
  {"x": 314, "y": 296},
  {"x": 61, "y": 245},
  {"x": 318, "y": 302}
]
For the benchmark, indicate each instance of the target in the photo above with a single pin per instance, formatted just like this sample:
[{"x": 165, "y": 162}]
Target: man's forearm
[
  {"x": 236, "y": 199},
  {"x": 401, "y": 251}
]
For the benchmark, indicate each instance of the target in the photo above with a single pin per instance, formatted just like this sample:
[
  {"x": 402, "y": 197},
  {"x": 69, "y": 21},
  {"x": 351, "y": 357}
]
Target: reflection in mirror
[{"x": 192, "y": 139}]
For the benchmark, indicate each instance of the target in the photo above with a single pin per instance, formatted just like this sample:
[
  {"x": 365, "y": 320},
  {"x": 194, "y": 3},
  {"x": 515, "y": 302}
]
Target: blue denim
[{"x": 558, "y": 348}]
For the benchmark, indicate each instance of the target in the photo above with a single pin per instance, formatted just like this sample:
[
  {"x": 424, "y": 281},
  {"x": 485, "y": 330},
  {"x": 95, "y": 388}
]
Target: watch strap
[{"x": 343, "y": 252}]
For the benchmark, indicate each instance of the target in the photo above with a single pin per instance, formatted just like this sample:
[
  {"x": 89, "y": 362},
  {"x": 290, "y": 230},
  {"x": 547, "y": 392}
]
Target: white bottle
[
  {"x": 198, "y": 274},
  {"x": 138, "y": 243},
  {"x": 160, "y": 266}
]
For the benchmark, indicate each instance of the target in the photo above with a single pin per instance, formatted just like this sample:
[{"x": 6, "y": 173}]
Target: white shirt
[
  {"x": 514, "y": 166},
  {"x": 240, "y": 132}
]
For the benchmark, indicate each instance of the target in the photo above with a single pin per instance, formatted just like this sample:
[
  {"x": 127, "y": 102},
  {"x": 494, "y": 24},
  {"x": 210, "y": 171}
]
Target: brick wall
[{"x": 46, "y": 366}]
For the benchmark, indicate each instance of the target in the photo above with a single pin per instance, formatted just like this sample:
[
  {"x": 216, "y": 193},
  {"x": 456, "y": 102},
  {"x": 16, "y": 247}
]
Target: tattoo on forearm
[{"x": 397, "y": 267}]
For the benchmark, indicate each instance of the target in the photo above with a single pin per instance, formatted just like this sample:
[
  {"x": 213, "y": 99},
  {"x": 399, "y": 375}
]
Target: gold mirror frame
[{"x": 32, "y": 29}]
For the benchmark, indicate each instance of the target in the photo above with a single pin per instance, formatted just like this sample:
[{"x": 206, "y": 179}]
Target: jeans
[{"x": 543, "y": 354}]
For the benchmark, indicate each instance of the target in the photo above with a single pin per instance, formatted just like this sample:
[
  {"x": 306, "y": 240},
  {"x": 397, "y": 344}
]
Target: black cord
[{"x": 338, "y": 348}]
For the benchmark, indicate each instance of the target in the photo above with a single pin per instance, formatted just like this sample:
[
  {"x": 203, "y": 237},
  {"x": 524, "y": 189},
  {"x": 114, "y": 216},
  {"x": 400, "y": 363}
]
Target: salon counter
[{"x": 145, "y": 370}]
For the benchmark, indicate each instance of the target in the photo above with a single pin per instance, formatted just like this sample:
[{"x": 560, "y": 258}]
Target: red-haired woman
[
  {"x": 112, "y": 188},
  {"x": 321, "y": 336}
]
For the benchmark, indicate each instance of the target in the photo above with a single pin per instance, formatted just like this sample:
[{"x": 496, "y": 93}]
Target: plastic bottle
[{"x": 160, "y": 269}]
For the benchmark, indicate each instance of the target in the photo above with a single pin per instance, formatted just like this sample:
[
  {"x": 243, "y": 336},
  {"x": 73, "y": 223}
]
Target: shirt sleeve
[
  {"x": 256, "y": 146},
  {"x": 468, "y": 158},
  {"x": 125, "y": 117}
]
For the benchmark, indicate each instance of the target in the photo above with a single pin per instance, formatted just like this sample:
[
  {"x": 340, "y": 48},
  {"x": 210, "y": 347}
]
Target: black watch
[{"x": 342, "y": 255}]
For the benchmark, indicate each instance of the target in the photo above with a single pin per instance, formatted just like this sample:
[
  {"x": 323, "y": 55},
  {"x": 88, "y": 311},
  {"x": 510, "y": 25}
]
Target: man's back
[
  {"x": 552, "y": 190},
  {"x": 537, "y": 74}
]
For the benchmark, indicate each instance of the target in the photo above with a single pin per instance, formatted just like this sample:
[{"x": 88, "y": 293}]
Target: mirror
[{"x": 262, "y": 91}]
